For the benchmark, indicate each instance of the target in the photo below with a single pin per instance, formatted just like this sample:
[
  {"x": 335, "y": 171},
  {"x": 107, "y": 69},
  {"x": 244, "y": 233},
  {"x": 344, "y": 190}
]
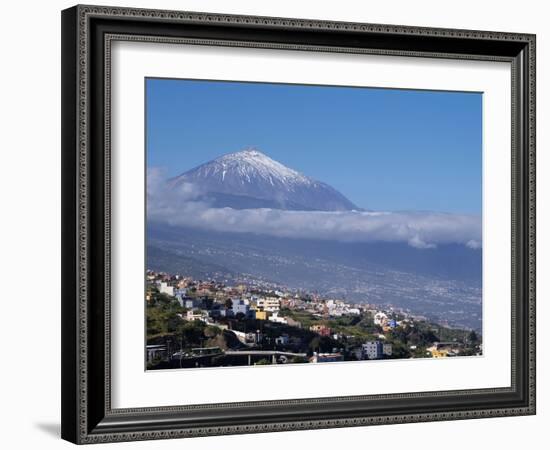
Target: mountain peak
[
  {"x": 250, "y": 179},
  {"x": 250, "y": 151},
  {"x": 246, "y": 154},
  {"x": 251, "y": 163}
]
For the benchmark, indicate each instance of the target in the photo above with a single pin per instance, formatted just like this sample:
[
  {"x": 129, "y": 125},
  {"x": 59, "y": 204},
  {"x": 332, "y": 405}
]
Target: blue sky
[{"x": 384, "y": 149}]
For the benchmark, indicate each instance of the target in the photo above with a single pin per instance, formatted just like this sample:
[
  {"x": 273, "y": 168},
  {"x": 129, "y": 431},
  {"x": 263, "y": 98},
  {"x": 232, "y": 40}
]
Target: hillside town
[{"x": 208, "y": 323}]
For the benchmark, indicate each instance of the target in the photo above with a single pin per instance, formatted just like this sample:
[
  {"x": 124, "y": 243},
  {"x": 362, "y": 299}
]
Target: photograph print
[{"x": 307, "y": 224}]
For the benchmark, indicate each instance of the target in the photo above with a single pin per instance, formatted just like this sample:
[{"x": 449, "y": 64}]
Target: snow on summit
[
  {"x": 251, "y": 179},
  {"x": 252, "y": 162}
]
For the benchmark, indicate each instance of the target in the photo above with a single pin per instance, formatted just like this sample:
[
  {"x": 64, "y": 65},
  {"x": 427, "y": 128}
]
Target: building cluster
[
  {"x": 445, "y": 349},
  {"x": 386, "y": 323},
  {"x": 324, "y": 307},
  {"x": 211, "y": 302},
  {"x": 259, "y": 308},
  {"x": 214, "y": 300}
]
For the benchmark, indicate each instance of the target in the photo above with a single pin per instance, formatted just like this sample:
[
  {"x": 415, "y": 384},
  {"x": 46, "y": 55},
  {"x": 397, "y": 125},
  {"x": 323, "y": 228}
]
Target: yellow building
[
  {"x": 261, "y": 315},
  {"x": 443, "y": 353}
]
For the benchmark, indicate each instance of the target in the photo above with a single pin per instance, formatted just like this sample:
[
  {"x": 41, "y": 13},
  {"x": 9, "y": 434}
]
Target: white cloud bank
[{"x": 182, "y": 206}]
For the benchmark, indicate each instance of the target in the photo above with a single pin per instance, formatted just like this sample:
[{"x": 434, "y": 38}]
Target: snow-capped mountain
[{"x": 251, "y": 179}]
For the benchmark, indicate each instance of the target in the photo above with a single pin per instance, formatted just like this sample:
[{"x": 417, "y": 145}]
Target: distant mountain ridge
[
  {"x": 251, "y": 179},
  {"x": 442, "y": 283}
]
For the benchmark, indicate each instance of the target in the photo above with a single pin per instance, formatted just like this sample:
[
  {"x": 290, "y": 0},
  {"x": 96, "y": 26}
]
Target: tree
[
  {"x": 400, "y": 350},
  {"x": 192, "y": 333},
  {"x": 211, "y": 332},
  {"x": 399, "y": 334},
  {"x": 467, "y": 352},
  {"x": 314, "y": 344}
]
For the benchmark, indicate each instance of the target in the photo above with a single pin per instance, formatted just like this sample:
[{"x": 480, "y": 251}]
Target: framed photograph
[{"x": 281, "y": 224}]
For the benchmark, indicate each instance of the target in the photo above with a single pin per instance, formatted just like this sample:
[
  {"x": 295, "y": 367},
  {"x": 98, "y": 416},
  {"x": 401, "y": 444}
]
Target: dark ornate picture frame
[{"x": 87, "y": 34}]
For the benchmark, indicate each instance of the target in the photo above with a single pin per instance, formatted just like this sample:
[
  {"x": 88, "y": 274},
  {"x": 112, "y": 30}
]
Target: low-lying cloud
[{"x": 183, "y": 206}]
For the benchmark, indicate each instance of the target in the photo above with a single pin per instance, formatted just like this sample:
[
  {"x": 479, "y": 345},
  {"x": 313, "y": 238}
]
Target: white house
[
  {"x": 196, "y": 314},
  {"x": 274, "y": 317},
  {"x": 165, "y": 289},
  {"x": 380, "y": 318},
  {"x": 271, "y": 304}
]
